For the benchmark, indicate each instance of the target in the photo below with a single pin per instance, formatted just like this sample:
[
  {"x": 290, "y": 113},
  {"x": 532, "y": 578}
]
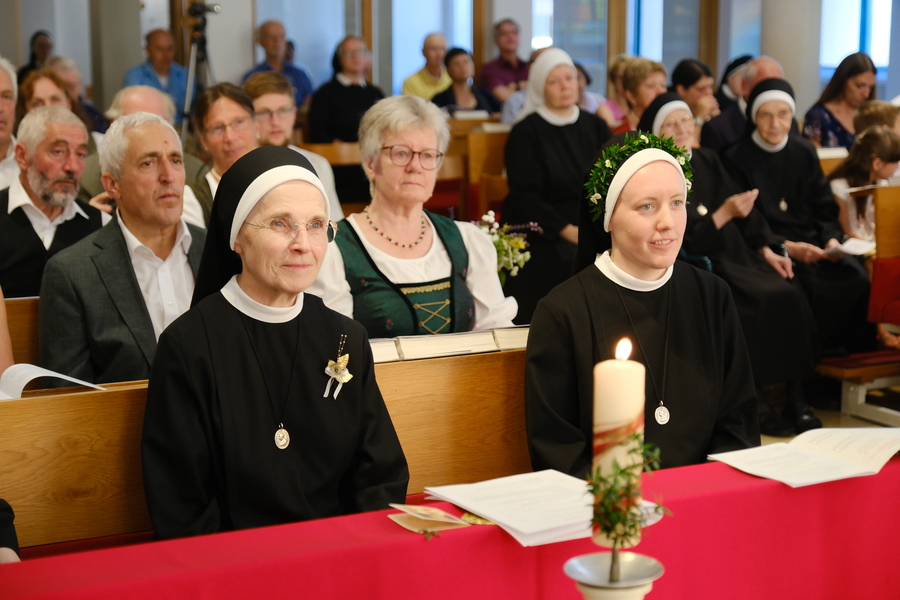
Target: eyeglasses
[
  {"x": 238, "y": 125},
  {"x": 403, "y": 155},
  {"x": 281, "y": 113},
  {"x": 683, "y": 121},
  {"x": 316, "y": 230}
]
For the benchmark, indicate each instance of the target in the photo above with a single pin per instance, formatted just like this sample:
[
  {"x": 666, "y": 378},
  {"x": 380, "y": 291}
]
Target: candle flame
[{"x": 623, "y": 349}]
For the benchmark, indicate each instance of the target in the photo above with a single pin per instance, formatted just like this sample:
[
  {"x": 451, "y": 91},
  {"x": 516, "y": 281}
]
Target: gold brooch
[{"x": 337, "y": 370}]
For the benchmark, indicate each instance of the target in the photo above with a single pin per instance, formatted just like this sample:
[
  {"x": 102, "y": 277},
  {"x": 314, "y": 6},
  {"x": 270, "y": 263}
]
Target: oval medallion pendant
[
  {"x": 783, "y": 205},
  {"x": 702, "y": 210},
  {"x": 661, "y": 414},
  {"x": 283, "y": 438}
]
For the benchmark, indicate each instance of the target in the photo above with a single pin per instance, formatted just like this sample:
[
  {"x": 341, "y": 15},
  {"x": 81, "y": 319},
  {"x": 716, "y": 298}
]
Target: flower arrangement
[
  {"x": 617, "y": 495},
  {"x": 512, "y": 253},
  {"x": 606, "y": 167}
]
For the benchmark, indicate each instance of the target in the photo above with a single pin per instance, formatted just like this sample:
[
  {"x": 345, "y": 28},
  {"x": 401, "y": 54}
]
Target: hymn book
[{"x": 818, "y": 455}]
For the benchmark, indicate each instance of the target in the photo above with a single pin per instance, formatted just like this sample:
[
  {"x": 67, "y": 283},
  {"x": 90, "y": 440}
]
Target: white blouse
[
  {"x": 492, "y": 308},
  {"x": 860, "y": 227}
]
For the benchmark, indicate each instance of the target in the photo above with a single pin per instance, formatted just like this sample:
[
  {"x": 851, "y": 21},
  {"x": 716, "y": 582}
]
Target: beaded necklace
[{"x": 388, "y": 238}]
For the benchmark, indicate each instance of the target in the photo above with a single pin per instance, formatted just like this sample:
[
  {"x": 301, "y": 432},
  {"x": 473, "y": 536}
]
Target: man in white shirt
[
  {"x": 9, "y": 170},
  {"x": 39, "y": 214},
  {"x": 105, "y": 300}
]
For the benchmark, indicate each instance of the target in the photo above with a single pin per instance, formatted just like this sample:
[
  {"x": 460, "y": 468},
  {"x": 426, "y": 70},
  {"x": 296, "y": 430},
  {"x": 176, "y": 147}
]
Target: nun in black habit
[
  {"x": 262, "y": 405},
  {"x": 796, "y": 210},
  {"x": 682, "y": 322},
  {"x": 776, "y": 317}
]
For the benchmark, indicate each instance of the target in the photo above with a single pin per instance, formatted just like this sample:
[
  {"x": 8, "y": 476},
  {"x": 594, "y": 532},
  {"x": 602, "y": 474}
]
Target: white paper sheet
[
  {"x": 853, "y": 247},
  {"x": 16, "y": 377}
]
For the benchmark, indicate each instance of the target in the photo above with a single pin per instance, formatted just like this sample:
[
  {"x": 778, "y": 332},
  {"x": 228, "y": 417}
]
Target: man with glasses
[
  {"x": 105, "y": 300},
  {"x": 273, "y": 103},
  {"x": 272, "y": 39}
]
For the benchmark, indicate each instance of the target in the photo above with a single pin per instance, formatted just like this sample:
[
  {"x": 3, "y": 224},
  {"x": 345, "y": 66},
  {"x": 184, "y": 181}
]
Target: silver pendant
[
  {"x": 662, "y": 415},
  {"x": 702, "y": 210},
  {"x": 783, "y": 205},
  {"x": 282, "y": 438}
]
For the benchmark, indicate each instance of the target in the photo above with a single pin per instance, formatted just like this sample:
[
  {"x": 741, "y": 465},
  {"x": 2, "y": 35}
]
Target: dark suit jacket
[{"x": 94, "y": 324}]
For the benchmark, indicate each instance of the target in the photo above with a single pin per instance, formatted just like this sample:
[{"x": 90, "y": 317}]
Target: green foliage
[
  {"x": 597, "y": 185},
  {"x": 617, "y": 494},
  {"x": 429, "y": 534}
]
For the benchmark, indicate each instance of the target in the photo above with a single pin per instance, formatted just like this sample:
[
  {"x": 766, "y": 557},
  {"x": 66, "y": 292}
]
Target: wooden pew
[
  {"x": 887, "y": 221},
  {"x": 22, "y": 316},
  {"x": 70, "y": 459}
]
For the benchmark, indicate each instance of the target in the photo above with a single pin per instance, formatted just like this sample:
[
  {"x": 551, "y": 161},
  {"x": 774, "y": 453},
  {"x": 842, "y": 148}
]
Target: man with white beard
[{"x": 39, "y": 213}]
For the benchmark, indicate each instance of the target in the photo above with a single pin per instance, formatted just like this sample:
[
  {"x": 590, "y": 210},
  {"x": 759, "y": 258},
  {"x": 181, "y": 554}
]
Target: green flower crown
[{"x": 608, "y": 164}]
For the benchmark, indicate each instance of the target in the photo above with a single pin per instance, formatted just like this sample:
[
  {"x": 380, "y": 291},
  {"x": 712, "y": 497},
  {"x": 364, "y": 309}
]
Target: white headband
[
  {"x": 265, "y": 183},
  {"x": 632, "y": 165},
  {"x": 770, "y": 95},
  {"x": 665, "y": 111}
]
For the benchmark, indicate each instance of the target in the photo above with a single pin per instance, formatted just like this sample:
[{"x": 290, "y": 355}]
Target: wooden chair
[
  {"x": 887, "y": 221},
  {"x": 486, "y": 157},
  {"x": 829, "y": 158},
  {"x": 459, "y": 132},
  {"x": 22, "y": 316},
  {"x": 450, "y": 189},
  {"x": 338, "y": 154}
]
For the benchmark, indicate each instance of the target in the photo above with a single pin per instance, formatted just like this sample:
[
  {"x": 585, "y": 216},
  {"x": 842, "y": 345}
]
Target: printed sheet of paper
[
  {"x": 535, "y": 508},
  {"x": 818, "y": 455},
  {"x": 16, "y": 377},
  {"x": 853, "y": 247},
  {"x": 424, "y": 518}
]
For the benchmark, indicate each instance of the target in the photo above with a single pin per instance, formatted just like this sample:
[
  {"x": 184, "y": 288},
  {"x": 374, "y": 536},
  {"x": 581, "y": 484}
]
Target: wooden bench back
[
  {"x": 70, "y": 462},
  {"x": 22, "y": 316},
  {"x": 486, "y": 153},
  {"x": 336, "y": 153},
  {"x": 887, "y": 221}
]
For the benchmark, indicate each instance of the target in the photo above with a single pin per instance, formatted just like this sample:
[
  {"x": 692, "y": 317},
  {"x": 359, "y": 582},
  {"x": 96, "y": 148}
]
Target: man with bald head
[
  {"x": 433, "y": 78},
  {"x": 127, "y": 101},
  {"x": 272, "y": 38},
  {"x": 161, "y": 71},
  {"x": 731, "y": 124}
]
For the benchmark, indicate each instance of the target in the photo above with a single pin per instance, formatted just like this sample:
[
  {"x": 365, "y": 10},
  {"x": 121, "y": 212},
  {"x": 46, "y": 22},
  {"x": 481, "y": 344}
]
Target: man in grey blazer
[{"x": 106, "y": 299}]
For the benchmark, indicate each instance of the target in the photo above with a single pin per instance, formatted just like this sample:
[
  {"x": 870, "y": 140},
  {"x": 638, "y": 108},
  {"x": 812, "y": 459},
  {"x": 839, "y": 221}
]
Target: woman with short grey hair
[{"x": 399, "y": 269}]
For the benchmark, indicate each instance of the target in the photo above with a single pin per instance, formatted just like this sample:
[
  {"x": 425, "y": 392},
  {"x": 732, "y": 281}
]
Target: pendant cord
[
  {"x": 263, "y": 371},
  {"x": 641, "y": 346}
]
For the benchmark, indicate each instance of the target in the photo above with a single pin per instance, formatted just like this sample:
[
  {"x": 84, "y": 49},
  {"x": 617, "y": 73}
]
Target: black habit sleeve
[{"x": 8, "y": 537}]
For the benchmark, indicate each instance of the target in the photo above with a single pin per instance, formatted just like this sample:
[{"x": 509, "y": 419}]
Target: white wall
[
  {"x": 229, "y": 37},
  {"x": 790, "y": 33},
  {"x": 10, "y": 32},
  {"x": 73, "y": 33}
]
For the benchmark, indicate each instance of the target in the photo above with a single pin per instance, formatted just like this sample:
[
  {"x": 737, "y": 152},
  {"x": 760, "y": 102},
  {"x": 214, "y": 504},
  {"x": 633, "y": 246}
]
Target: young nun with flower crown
[{"x": 682, "y": 322}]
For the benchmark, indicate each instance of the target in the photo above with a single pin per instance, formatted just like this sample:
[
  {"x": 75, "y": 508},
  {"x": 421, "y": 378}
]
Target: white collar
[
  {"x": 615, "y": 274},
  {"x": 554, "y": 119},
  {"x": 11, "y": 151},
  {"x": 742, "y": 104},
  {"x": 182, "y": 236},
  {"x": 759, "y": 141},
  {"x": 19, "y": 197},
  {"x": 239, "y": 299},
  {"x": 347, "y": 82}
]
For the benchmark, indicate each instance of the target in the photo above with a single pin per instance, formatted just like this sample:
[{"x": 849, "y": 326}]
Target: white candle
[
  {"x": 618, "y": 413},
  {"x": 618, "y": 389}
]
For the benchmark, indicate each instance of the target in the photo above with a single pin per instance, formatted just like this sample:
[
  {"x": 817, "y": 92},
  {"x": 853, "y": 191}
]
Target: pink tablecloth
[{"x": 730, "y": 536}]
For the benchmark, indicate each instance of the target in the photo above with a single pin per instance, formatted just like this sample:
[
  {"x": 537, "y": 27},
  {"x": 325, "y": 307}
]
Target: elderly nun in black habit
[
  {"x": 796, "y": 210},
  {"x": 262, "y": 405},
  {"x": 776, "y": 318},
  {"x": 682, "y": 322}
]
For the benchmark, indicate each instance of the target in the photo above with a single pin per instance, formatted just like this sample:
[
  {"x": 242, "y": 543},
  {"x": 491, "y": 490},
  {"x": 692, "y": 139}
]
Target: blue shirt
[
  {"x": 299, "y": 78},
  {"x": 144, "y": 74}
]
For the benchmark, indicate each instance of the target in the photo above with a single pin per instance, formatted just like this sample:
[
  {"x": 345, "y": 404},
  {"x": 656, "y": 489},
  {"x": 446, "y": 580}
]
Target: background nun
[
  {"x": 548, "y": 152},
  {"x": 796, "y": 211},
  {"x": 776, "y": 318},
  {"x": 262, "y": 405},
  {"x": 682, "y": 322}
]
